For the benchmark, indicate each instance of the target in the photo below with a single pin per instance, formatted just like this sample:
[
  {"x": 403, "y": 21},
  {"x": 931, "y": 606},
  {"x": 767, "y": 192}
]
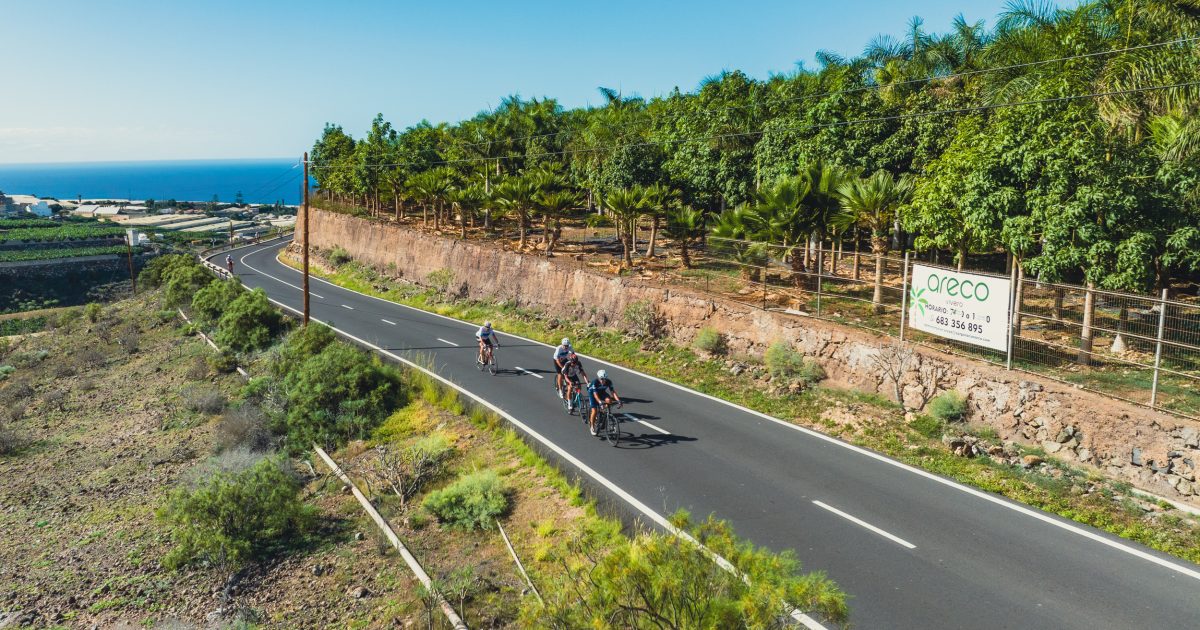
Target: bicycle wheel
[
  {"x": 612, "y": 427},
  {"x": 585, "y": 407},
  {"x": 492, "y": 364}
]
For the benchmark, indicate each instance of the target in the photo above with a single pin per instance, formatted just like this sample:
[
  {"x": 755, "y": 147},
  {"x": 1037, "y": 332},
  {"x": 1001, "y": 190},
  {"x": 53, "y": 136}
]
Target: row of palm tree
[{"x": 797, "y": 214}]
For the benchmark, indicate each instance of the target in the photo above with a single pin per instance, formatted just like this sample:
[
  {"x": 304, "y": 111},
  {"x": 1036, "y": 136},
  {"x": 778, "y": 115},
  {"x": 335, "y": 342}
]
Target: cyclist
[
  {"x": 602, "y": 392},
  {"x": 560, "y": 359},
  {"x": 229, "y": 262},
  {"x": 574, "y": 377},
  {"x": 487, "y": 339}
]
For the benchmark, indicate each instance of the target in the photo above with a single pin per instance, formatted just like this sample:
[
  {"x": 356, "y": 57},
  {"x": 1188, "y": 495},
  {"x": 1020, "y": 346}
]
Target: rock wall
[{"x": 1154, "y": 451}]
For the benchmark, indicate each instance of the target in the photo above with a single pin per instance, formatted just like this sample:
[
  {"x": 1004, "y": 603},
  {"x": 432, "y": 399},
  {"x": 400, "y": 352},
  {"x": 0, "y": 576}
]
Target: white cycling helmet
[
  {"x": 487, "y": 324},
  {"x": 566, "y": 342},
  {"x": 601, "y": 374}
]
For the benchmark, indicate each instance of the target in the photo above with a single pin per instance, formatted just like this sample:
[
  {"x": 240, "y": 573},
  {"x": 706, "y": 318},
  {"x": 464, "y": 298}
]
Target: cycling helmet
[
  {"x": 571, "y": 356},
  {"x": 487, "y": 324},
  {"x": 601, "y": 374},
  {"x": 566, "y": 341}
]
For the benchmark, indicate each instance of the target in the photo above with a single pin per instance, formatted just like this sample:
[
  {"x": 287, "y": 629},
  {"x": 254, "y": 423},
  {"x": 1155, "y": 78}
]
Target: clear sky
[{"x": 82, "y": 80}]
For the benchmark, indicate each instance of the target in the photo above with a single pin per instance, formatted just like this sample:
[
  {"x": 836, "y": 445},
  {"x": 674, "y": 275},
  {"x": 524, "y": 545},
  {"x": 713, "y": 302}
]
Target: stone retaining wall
[{"x": 1154, "y": 451}]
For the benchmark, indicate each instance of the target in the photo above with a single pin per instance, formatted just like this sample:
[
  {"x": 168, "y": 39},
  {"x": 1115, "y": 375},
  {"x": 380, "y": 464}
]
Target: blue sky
[{"x": 129, "y": 80}]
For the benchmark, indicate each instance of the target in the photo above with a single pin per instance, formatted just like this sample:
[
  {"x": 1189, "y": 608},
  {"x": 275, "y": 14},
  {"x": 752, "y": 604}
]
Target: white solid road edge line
[
  {"x": 449, "y": 342},
  {"x": 658, "y": 519},
  {"x": 896, "y": 539},
  {"x": 1006, "y": 503}
]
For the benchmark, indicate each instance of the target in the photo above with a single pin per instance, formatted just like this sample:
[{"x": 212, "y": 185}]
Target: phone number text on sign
[{"x": 968, "y": 307}]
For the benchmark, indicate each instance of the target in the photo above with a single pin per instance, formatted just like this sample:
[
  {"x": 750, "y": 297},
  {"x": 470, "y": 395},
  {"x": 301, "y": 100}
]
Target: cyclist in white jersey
[
  {"x": 487, "y": 337},
  {"x": 560, "y": 361}
]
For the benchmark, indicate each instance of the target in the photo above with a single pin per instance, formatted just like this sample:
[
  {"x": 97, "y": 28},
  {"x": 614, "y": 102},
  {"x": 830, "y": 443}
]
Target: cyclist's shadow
[{"x": 646, "y": 437}]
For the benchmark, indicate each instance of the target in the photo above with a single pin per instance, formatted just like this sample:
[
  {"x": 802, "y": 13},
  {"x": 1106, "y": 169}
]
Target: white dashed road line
[
  {"x": 521, "y": 369},
  {"x": 387, "y": 322},
  {"x": 896, "y": 539},
  {"x": 348, "y": 307},
  {"x": 449, "y": 342},
  {"x": 632, "y": 419}
]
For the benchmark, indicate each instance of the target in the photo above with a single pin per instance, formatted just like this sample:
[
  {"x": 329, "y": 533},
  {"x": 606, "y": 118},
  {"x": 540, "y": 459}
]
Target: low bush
[
  {"x": 23, "y": 326},
  {"x": 949, "y": 406},
  {"x": 474, "y": 501},
  {"x": 928, "y": 426},
  {"x": 10, "y": 440},
  {"x": 339, "y": 394},
  {"x": 231, "y": 517},
  {"x": 785, "y": 362},
  {"x": 244, "y": 426},
  {"x": 223, "y": 362},
  {"x": 407, "y": 470},
  {"x": 643, "y": 319},
  {"x": 710, "y": 340},
  {"x": 5, "y": 370},
  {"x": 210, "y": 301},
  {"x": 93, "y": 311},
  {"x": 248, "y": 323},
  {"x": 301, "y": 344},
  {"x": 28, "y": 358},
  {"x": 203, "y": 400},
  {"x": 635, "y": 583},
  {"x": 130, "y": 340},
  {"x": 440, "y": 281},
  {"x": 338, "y": 256},
  {"x": 68, "y": 317}
]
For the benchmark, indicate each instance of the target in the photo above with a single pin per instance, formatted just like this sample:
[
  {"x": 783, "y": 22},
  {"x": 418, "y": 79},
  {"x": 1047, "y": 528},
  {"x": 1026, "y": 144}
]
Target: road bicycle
[
  {"x": 608, "y": 424},
  {"x": 577, "y": 400},
  {"x": 486, "y": 359}
]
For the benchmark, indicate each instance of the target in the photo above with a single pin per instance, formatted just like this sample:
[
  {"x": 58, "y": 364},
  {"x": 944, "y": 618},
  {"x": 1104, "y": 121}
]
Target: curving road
[{"x": 913, "y": 550}]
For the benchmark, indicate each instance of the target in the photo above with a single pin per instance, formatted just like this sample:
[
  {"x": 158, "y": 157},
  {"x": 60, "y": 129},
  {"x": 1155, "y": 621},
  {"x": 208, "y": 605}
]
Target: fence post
[
  {"x": 904, "y": 296},
  {"x": 1012, "y": 316},
  {"x": 820, "y": 271},
  {"x": 1162, "y": 321}
]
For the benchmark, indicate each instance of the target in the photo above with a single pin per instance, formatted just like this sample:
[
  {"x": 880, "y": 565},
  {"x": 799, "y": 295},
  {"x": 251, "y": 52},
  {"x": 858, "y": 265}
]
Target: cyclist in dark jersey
[
  {"x": 602, "y": 392},
  {"x": 574, "y": 376}
]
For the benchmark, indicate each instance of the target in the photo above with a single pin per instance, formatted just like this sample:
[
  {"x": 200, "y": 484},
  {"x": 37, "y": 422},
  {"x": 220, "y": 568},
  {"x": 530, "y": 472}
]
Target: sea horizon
[{"x": 259, "y": 180}]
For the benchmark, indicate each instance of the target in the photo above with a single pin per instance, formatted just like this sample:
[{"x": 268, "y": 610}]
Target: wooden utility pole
[
  {"x": 305, "y": 203},
  {"x": 231, "y": 232},
  {"x": 129, "y": 234}
]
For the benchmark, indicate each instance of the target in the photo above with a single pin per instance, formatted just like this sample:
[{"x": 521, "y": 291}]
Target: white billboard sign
[{"x": 968, "y": 307}]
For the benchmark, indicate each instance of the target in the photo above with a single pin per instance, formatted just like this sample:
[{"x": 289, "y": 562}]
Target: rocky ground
[{"x": 101, "y": 420}]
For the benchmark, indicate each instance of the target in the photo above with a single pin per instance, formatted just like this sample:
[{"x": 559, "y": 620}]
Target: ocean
[{"x": 259, "y": 181}]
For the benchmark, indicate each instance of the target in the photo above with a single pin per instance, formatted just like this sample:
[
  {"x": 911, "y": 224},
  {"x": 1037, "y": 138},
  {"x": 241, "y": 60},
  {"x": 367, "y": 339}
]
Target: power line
[
  {"x": 959, "y": 110},
  {"x": 867, "y": 88}
]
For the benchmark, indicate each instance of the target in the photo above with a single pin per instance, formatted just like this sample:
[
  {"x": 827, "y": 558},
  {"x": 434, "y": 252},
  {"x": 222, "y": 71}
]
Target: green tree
[
  {"x": 683, "y": 224},
  {"x": 210, "y": 301},
  {"x": 626, "y": 206},
  {"x": 338, "y": 394}
]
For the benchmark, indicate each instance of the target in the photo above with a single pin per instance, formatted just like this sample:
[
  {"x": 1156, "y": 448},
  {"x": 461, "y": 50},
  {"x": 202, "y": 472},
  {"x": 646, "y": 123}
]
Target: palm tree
[
  {"x": 659, "y": 201},
  {"x": 786, "y": 218},
  {"x": 873, "y": 202},
  {"x": 421, "y": 188},
  {"x": 625, "y": 206},
  {"x": 553, "y": 205},
  {"x": 465, "y": 200},
  {"x": 735, "y": 229},
  {"x": 515, "y": 196},
  {"x": 684, "y": 222},
  {"x": 823, "y": 200}
]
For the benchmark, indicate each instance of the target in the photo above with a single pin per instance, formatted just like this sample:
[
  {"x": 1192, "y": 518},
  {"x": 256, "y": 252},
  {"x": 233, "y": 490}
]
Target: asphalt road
[{"x": 913, "y": 550}]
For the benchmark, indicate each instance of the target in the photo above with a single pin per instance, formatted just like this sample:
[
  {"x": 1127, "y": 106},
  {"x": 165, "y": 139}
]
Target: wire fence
[{"x": 1137, "y": 348}]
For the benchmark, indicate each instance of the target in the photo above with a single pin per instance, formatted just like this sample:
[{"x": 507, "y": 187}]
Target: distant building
[
  {"x": 86, "y": 210},
  {"x": 17, "y": 205}
]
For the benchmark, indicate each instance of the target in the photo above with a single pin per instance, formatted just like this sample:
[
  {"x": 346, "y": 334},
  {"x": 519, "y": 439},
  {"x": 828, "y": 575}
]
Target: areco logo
[{"x": 966, "y": 289}]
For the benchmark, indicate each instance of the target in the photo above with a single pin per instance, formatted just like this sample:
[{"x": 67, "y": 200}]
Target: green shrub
[
  {"x": 69, "y": 316},
  {"x": 154, "y": 273},
  {"x": 231, "y": 517},
  {"x": 710, "y": 340},
  {"x": 928, "y": 426},
  {"x": 642, "y": 319},
  {"x": 5, "y": 370},
  {"x": 182, "y": 281},
  {"x": 785, "y": 362},
  {"x": 93, "y": 311},
  {"x": 248, "y": 323},
  {"x": 337, "y": 395},
  {"x": 223, "y": 362},
  {"x": 949, "y": 406},
  {"x": 22, "y": 326},
  {"x": 211, "y": 301},
  {"x": 653, "y": 576},
  {"x": 474, "y": 501},
  {"x": 440, "y": 280},
  {"x": 338, "y": 256},
  {"x": 301, "y": 345}
]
